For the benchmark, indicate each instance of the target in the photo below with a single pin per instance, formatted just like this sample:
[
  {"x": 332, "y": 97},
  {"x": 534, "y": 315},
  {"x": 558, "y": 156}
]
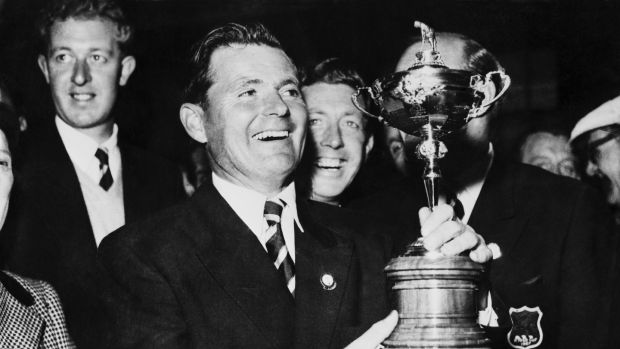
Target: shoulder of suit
[
  {"x": 29, "y": 291},
  {"x": 536, "y": 179},
  {"x": 157, "y": 226}
]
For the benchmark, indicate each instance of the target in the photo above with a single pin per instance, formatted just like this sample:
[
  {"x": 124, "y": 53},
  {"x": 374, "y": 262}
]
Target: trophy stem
[{"x": 431, "y": 150}]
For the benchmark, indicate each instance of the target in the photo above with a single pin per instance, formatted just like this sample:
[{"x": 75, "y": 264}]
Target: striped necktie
[
  {"x": 106, "y": 178},
  {"x": 276, "y": 247}
]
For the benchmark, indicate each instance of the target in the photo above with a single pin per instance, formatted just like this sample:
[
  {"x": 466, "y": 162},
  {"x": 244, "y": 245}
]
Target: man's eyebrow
[
  {"x": 246, "y": 82},
  {"x": 61, "y": 48},
  {"x": 288, "y": 82}
]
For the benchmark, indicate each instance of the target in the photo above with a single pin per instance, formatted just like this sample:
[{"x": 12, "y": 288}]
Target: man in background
[
  {"x": 595, "y": 139},
  {"x": 340, "y": 135},
  {"x": 550, "y": 235},
  {"x": 79, "y": 180},
  {"x": 549, "y": 150}
]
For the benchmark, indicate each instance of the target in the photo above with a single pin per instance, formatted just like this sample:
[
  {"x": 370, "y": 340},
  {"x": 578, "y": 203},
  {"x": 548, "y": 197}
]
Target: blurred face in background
[
  {"x": 341, "y": 142},
  {"x": 550, "y": 152}
]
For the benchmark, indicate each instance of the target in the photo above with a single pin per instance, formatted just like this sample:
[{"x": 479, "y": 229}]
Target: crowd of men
[{"x": 283, "y": 240}]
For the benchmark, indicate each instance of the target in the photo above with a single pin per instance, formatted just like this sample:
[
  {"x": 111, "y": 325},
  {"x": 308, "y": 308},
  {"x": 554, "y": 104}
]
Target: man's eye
[
  {"x": 62, "y": 58},
  {"x": 248, "y": 93},
  {"x": 314, "y": 122},
  {"x": 5, "y": 163},
  {"x": 353, "y": 124},
  {"x": 98, "y": 59},
  {"x": 292, "y": 92}
]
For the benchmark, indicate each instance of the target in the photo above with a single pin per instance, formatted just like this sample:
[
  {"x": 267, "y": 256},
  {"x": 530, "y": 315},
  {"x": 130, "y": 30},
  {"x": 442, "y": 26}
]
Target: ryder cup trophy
[{"x": 435, "y": 295}]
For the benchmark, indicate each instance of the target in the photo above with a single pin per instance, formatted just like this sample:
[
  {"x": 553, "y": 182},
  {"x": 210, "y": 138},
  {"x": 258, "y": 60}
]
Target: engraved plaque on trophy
[{"x": 435, "y": 295}]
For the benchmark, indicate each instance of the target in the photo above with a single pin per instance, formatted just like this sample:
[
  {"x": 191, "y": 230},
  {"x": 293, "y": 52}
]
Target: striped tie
[
  {"x": 276, "y": 247},
  {"x": 106, "y": 177}
]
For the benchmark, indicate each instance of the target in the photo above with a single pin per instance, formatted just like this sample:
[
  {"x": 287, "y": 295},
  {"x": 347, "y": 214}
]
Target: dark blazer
[
  {"x": 554, "y": 234},
  {"x": 51, "y": 237},
  {"x": 195, "y": 276}
]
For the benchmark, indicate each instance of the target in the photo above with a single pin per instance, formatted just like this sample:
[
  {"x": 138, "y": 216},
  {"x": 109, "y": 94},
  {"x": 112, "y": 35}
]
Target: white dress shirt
[
  {"x": 106, "y": 210},
  {"x": 249, "y": 205}
]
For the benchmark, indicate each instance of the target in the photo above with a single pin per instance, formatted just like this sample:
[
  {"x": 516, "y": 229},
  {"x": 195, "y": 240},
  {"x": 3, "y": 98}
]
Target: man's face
[
  {"x": 605, "y": 165},
  {"x": 84, "y": 67},
  {"x": 549, "y": 152},
  {"x": 338, "y": 133},
  {"x": 470, "y": 143},
  {"x": 255, "y": 122}
]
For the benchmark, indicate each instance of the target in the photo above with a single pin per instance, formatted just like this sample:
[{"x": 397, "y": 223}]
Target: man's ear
[
  {"x": 192, "y": 118},
  {"x": 370, "y": 143},
  {"x": 128, "y": 65},
  {"x": 42, "y": 62},
  {"x": 490, "y": 90}
]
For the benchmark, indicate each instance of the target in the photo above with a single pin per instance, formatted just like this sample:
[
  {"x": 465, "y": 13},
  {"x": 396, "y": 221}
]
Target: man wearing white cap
[{"x": 595, "y": 138}]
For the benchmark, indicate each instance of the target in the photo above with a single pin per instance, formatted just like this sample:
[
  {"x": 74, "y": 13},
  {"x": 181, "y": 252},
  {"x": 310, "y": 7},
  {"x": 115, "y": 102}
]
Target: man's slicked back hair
[
  {"x": 334, "y": 71},
  {"x": 224, "y": 36},
  {"x": 62, "y": 10}
]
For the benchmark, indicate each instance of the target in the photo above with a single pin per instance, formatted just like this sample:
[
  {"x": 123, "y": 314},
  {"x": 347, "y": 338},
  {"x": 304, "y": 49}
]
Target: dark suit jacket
[
  {"x": 197, "y": 277},
  {"x": 554, "y": 234},
  {"x": 51, "y": 235}
]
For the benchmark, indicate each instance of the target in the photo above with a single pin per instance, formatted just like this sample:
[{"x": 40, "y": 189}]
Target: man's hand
[
  {"x": 379, "y": 331},
  {"x": 451, "y": 236}
]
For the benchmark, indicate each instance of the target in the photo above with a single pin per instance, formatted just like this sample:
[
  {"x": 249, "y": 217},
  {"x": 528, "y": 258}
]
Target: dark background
[{"x": 563, "y": 57}]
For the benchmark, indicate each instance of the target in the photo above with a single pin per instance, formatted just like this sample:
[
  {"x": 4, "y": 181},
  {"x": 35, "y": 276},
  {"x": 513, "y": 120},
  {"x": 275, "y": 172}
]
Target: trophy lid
[{"x": 428, "y": 56}]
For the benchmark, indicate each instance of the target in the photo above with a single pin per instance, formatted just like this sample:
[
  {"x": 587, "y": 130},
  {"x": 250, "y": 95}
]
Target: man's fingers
[
  {"x": 440, "y": 214},
  {"x": 442, "y": 237},
  {"x": 379, "y": 331},
  {"x": 481, "y": 254},
  {"x": 466, "y": 240},
  {"x": 423, "y": 215}
]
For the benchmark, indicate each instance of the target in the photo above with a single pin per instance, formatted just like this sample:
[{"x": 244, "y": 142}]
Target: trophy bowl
[
  {"x": 436, "y": 295},
  {"x": 428, "y": 95}
]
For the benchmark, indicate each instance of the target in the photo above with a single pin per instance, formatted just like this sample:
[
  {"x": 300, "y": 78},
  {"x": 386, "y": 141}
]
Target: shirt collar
[
  {"x": 249, "y": 204},
  {"x": 469, "y": 195},
  {"x": 80, "y": 147}
]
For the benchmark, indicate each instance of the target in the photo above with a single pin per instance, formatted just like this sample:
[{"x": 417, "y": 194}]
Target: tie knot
[
  {"x": 102, "y": 155},
  {"x": 273, "y": 210}
]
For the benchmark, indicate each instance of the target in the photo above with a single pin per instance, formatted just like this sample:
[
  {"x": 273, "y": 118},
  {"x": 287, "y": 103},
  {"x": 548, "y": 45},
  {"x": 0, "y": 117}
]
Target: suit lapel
[
  {"x": 63, "y": 190},
  {"x": 319, "y": 255},
  {"x": 494, "y": 215},
  {"x": 234, "y": 257},
  {"x": 135, "y": 198}
]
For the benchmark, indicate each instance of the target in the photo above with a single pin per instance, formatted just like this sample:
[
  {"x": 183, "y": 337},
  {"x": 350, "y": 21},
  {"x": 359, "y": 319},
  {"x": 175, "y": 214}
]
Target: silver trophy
[{"x": 435, "y": 295}]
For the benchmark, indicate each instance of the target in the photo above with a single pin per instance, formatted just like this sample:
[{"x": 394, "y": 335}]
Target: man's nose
[
  {"x": 275, "y": 106},
  {"x": 81, "y": 73},
  {"x": 332, "y": 137}
]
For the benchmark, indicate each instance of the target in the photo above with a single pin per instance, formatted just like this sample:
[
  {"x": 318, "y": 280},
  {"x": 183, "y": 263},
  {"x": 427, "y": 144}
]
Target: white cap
[{"x": 606, "y": 114}]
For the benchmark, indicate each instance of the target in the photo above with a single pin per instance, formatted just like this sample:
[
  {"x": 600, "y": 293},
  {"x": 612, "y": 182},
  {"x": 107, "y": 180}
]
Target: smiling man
[
  {"x": 340, "y": 133},
  {"x": 244, "y": 263},
  {"x": 79, "y": 180}
]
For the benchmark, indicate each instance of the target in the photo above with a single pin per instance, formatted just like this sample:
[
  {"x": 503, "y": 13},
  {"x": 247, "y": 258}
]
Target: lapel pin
[{"x": 328, "y": 282}]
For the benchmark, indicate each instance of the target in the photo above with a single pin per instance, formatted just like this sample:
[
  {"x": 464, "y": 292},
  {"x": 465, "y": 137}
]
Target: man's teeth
[
  {"x": 271, "y": 135},
  {"x": 82, "y": 96},
  {"x": 328, "y": 162}
]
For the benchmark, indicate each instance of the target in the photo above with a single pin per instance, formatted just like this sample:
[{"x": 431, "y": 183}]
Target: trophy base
[{"x": 436, "y": 298}]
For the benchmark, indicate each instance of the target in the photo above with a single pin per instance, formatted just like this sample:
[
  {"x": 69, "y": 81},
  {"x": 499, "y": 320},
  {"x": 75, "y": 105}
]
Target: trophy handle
[
  {"x": 506, "y": 81},
  {"x": 354, "y": 97}
]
